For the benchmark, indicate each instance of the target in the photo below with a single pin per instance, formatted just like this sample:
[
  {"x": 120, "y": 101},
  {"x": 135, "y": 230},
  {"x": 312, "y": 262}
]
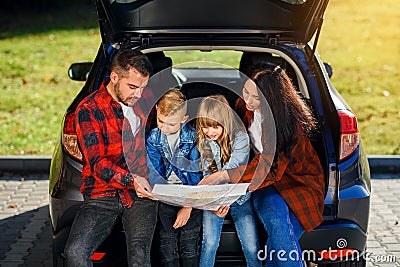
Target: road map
[{"x": 206, "y": 197}]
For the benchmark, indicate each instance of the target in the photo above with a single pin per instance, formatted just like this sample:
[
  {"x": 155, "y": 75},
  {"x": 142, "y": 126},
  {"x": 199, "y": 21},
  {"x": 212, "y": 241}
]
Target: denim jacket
[
  {"x": 184, "y": 161},
  {"x": 239, "y": 156}
]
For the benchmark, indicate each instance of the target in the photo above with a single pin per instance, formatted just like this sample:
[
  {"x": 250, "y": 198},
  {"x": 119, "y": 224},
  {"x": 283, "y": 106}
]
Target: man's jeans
[
  {"x": 181, "y": 244},
  {"x": 96, "y": 218},
  {"x": 282, "y": 226},
  {"x": 244, "y": 219}
]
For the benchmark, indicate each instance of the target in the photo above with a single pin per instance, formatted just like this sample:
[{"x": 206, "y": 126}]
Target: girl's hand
[
  {"x": 182, "y": 217},
  {"x": 219, "y": 177},
  {"x": 221, "y": 211}
]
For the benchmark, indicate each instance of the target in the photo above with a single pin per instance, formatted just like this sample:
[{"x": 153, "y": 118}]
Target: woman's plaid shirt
[
  {"x": 300, "y": 180},
  {"x": 112, "y": 157}
]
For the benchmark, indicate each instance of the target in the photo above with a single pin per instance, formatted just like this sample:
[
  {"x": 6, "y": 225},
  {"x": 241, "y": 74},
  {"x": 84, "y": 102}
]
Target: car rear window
[{"x": 191, "y": 58}]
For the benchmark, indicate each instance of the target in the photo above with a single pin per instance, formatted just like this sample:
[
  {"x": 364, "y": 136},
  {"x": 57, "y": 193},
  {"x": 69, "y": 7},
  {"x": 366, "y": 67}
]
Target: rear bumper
[
  {"x": 333, "y": 238},
  {"x": 324, "y": 239}
]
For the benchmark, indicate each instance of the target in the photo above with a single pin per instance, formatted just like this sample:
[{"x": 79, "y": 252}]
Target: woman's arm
[{"x": 258, "y": 172}]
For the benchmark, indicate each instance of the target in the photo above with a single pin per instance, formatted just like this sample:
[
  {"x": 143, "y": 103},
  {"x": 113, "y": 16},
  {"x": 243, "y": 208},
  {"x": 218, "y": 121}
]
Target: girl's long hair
[
  {"x": 291, "y": 114},
  {"x": 215, "y": 111}
]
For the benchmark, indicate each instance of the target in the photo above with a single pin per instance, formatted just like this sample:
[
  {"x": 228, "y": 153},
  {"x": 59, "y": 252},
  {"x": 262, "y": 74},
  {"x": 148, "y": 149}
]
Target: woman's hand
[
  {"x": 182, "y": 217},
  {"x": 221, "y": 211},
  {"x": 219, "y": 177}
]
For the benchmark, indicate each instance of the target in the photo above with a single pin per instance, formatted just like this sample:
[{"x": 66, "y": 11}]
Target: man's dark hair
[{"x": 124, "y": 60}]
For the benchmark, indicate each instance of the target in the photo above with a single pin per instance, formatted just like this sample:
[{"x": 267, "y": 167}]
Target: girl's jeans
[
  {"x": 244, "y": 219},
  {"x": 282, "y": 226},
  {"x": 95, "y": 220}
]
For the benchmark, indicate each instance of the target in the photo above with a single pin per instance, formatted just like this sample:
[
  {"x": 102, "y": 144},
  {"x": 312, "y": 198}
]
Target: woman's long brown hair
[{"x": 290, "y": 112}]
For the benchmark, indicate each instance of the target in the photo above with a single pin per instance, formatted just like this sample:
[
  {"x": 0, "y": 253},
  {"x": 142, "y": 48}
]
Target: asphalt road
[{"x": 25, "y": 228}]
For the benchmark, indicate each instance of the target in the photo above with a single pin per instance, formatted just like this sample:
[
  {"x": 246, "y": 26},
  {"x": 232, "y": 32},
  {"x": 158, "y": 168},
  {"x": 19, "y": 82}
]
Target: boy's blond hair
[{"x": 172, "y": 102}]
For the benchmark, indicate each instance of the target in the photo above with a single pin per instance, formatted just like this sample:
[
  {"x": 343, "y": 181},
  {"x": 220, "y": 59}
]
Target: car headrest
[
  {"x": 159, "y": 61},
  {"x": 162, "y": 78},
  {"x": 250, "y": 58}
]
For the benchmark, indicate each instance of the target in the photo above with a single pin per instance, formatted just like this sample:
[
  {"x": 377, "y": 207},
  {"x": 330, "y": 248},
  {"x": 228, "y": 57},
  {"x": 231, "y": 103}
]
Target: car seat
[
  {"x": 248, "y": 59},
  {"x": 162, "y": 78}
]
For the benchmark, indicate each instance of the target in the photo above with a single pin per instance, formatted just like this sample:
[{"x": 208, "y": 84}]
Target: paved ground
[
  {"x": 25, "y": 229},
  {"x": 24, "y": 221}
]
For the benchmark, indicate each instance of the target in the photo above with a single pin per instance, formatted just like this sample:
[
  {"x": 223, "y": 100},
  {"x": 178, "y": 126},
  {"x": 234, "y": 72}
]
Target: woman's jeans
[
  {"x": 181, "y": 246},
  {"x": 95, "y": 220},
  {"x": 244, "y": 219},
  {"x": 282, "y": 226}
]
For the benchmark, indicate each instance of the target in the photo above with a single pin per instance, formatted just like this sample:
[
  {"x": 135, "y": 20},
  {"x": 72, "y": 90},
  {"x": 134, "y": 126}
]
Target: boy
[{"x": 173, "y": 158}]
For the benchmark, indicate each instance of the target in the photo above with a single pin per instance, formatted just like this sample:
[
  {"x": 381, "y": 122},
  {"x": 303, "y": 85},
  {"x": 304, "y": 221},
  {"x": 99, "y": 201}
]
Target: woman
[{"x": 288, "y": 178}]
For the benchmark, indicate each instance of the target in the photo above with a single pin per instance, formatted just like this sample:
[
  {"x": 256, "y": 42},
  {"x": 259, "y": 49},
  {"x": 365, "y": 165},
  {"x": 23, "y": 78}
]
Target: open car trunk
[{"x": 291, "y": 20}]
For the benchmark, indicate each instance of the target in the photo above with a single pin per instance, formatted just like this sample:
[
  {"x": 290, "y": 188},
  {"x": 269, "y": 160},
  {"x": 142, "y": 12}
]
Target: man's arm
[{"x": 93, "y": 148}]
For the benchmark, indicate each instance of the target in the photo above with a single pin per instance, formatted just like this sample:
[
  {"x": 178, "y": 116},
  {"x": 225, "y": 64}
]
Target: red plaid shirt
[
  {"x": 299, "y": 181},
  {"x": 112, "y": 157}
]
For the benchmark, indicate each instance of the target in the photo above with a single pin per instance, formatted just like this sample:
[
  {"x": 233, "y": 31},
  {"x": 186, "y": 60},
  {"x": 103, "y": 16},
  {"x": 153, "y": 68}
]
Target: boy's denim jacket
[
  {"x": 184, "y": 161},
  {"x": 240, "y": 156}
]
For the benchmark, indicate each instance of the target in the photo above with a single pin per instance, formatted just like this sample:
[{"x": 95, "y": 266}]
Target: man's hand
[
  {"x": 219, "y": 177},
  {"x": 142, "y": 187},
  {"x": 182, "y": 217},
  {"x": 221, "y": 211}
]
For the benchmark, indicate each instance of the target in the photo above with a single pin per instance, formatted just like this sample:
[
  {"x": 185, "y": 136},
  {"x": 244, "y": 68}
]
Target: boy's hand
[
  {"x": 219, "y": 177},
  {"x": 221, "y": 211},
  {"x": 182, "y": 217},
  {"x": 142, "y": 187}
]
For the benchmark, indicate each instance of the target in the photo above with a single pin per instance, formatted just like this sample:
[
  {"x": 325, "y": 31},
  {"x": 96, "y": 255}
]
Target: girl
[
  {"x": 290, "y": 198},
  {"x": 223, "y": 145}
]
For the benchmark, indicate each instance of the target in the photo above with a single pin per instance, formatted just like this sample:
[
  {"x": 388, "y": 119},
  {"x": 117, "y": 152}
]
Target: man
[{"x": 114, "y": 174}]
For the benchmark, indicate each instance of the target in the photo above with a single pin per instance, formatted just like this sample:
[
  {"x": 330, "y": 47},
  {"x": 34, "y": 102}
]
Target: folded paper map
[{"x": 206, "y": 197}]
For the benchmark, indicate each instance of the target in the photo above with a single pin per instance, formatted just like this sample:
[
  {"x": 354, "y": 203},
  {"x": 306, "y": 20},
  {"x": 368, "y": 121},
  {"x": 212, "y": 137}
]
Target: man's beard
[{"x": 126, "y": 101}]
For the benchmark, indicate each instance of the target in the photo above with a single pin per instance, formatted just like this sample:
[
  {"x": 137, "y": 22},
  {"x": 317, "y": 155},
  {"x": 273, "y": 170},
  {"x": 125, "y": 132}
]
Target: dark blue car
[{"x": 203, "y": 48}]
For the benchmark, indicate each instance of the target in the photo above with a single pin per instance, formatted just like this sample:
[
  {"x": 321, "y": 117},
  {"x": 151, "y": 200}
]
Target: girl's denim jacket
[
  {"x": 239, "y": 156},
  {"x": 184, "y": 161}
]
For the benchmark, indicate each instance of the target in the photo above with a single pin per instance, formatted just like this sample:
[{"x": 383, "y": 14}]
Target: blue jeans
[
  {"x": 95, "y": 220},
  {"x": 282, "y": 226},
  {"x": 244, "y": 219}
]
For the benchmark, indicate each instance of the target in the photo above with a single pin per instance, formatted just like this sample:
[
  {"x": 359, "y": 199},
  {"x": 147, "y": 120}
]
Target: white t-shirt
[
  {"x": 133, "y": 119},
  {"x": 173, "y": 140},
  {"x": 255, "y": 133}
]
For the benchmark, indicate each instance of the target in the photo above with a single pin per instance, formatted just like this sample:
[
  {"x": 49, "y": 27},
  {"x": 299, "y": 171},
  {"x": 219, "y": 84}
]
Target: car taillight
[
  {"x": 98, "y": 256},
  {"x": 349, "y": 134},
  {"x": 70, "y": 139}
]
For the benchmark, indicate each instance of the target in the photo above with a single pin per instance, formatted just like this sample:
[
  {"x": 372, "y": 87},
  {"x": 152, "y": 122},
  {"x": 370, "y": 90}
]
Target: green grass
[
  {"x": 360, "y": 39},
  {"x": 35, "y": 53},
  {"x": 362, "y": 42}
]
